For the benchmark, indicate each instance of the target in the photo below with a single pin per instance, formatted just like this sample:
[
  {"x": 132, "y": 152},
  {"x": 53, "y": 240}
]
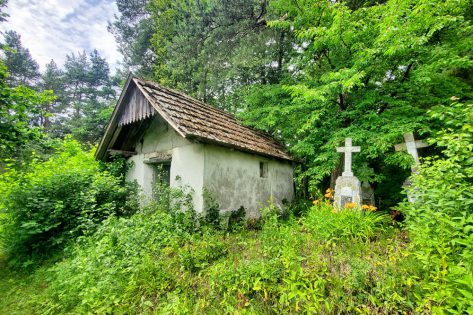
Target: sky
[{"x": 50, "y": 29}]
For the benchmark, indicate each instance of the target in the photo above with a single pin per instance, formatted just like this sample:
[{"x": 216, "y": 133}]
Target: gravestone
[
  {"x": 367, "y": 194},
  {"x": 347, "y": 186},
  {"x": 411, "y": 145}
]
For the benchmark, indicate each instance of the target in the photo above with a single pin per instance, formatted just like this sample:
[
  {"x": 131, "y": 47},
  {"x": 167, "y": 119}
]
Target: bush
[
  {"x": 53, "y": 201},
  {"x": 440, "y": 222}
]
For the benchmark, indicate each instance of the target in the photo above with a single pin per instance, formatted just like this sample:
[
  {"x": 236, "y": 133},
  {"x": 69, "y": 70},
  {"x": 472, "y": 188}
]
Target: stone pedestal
[
  {"x": 347, "y": 189},
  {"x": 407, "y": 185}
]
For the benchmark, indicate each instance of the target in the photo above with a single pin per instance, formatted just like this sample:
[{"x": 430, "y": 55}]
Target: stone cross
[
  {"x": 411, "y": 145},
  {"x": 348, "y": 150}
]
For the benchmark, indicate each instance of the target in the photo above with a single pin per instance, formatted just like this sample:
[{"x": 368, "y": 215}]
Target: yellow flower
[
  {"x": 350, "y": 205},
  {"x": 369, "y": 208},
  {"x": 316, "y": 202}
]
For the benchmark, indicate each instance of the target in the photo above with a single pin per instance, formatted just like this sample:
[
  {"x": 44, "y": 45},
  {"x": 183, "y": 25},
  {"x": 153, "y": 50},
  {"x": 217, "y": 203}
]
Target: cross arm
[
  {"x": 400, "y": 147},
  {"x": 421, "y": 144}
]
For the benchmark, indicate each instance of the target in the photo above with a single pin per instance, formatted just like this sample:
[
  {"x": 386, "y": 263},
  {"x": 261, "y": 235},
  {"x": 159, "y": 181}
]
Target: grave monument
[
  {"x": 411, "y": 145},
  {"x": 347, "y": 186}
]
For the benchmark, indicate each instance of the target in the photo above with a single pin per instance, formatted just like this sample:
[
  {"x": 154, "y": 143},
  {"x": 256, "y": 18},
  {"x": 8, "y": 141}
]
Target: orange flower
[
  {"x": 350, "y": 205},
  {"x": 369, "y": 208}
]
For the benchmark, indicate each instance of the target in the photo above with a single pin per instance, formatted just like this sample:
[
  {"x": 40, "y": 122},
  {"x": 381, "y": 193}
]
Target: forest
[{"x": 75, "y": 237}]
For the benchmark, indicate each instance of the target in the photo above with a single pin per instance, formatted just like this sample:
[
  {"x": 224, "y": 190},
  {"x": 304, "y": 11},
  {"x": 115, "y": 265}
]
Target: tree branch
[{"x": 406, "y": 74}]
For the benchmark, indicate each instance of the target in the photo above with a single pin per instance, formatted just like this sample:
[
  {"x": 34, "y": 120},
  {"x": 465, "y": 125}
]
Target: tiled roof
[{"x": 195, "y": 120}]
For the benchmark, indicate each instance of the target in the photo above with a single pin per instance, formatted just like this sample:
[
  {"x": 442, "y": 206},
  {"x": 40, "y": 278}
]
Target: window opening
[{"x": 263, "y": 169}]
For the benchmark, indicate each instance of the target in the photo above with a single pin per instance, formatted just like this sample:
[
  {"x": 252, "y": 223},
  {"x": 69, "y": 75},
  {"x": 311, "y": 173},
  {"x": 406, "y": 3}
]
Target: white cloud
[{"x": 50, "y": 29}]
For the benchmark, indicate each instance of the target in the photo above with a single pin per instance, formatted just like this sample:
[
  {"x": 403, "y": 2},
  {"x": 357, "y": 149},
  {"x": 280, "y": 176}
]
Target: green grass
[{"x": 146, "y": 264}]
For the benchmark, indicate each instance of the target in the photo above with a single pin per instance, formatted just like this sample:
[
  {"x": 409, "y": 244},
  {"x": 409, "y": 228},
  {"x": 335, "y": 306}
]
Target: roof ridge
[
  {"x": 178, "y": 93},
  {"x": 190, "y": 98},
  {"x": 193, "y": 118}
]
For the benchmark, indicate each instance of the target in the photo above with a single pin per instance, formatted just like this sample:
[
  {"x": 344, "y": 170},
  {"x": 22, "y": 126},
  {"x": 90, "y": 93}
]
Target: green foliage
[
  {"x": 133, "y": 29},
  {"x": 441, "y": 220},
  {"x": 365, "y": 70},
  {"x": 17, "y": 106},
  {"x": 86, "y": 92},
  {"x": 212, "y": 215},
  {"x": 49, "y": 202},
  {"x": 22, "y": 69},
  {"x": 346, "y": 224},
  {"x": 150, "y": 263},
  {"x": 229, "y": 43}
]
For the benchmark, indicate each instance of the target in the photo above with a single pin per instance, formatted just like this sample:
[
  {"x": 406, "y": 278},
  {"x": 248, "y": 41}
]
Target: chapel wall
[
  {"x": 187, "y": 161},
  {"x": 233, "y": 178}
]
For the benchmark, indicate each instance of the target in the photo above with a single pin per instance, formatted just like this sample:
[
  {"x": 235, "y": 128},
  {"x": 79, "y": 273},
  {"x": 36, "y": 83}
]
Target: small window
[{"x": 263, "y": 169}]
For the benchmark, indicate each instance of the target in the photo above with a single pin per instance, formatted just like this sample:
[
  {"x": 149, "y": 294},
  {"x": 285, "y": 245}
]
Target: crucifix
[
  {"x": 411, "y": 145},
  {"x": 348, "y": 149}
]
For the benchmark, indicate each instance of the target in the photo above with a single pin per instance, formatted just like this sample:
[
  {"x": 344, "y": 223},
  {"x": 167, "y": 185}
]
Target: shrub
[
  {"x": 116, "y": 266},
  {"x": 52, "y": 201},
  {"x": 440, "y": 222}
]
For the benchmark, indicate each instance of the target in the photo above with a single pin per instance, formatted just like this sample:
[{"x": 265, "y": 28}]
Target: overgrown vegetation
[
  {"x": 51, "y": 202},
  {"x": 440, "y": 223},
  {"x": 150, "y": 263},
  {"x": 164, "y": 259},
  {"x": 74, "y": 238}
]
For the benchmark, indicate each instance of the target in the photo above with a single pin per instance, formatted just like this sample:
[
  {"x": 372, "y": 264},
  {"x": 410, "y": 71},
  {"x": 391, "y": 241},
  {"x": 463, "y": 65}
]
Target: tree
[
  {"x": 87, "y": 98},
  {"x": 17, "y": 105},
  {"x": 22, "y": 68},
  {"x": 211, "y": 48},
  {"x": 367, "y": 71},
  {"x": 133, "y": 30},
  {"x": 3, "y": 15},
  {"x": 52, "y": 79}
]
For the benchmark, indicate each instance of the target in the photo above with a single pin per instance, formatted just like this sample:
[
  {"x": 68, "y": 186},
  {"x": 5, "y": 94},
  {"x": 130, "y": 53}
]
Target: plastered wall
[
  {"x": 233, "y": 178},
  {"x": 187, "y": 162}
]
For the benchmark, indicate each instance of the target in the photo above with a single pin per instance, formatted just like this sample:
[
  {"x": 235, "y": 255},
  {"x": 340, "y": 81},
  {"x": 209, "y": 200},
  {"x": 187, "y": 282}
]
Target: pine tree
[
  {"x": 88, "y": 95},
  {"x": 52, "y": 79},
  {"x": 22, "y": 68},
  {"x": 133, "y": 29}
]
